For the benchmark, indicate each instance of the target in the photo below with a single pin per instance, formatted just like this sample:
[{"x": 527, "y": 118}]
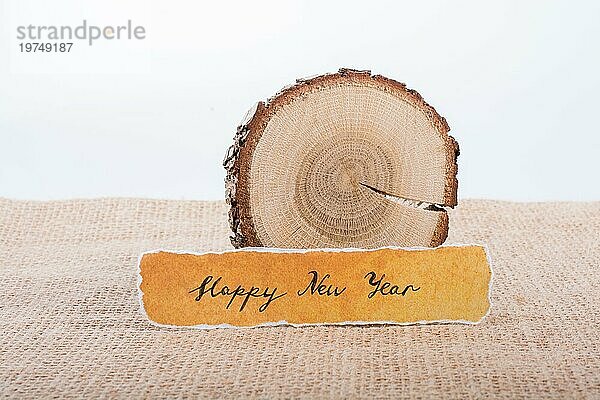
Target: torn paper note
[{"x": 253, "y": 287}]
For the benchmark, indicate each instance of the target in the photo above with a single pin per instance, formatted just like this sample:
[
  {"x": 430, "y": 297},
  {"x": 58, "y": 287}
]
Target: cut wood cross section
[{"x": 347, "y": 159}]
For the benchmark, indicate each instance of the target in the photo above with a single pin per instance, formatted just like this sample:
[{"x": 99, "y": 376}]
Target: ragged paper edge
[{"x": 324, "y": 250}]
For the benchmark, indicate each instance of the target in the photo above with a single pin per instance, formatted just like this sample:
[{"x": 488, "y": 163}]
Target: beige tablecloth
[{"x": 70, "y": 323}]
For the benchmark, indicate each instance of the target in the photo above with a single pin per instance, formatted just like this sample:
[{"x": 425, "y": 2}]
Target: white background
[{"x": 518, "y": 82}]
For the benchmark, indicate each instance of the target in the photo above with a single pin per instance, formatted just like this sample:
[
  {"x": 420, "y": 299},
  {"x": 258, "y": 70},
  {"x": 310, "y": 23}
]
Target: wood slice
[{"x": 347, "y": 159}]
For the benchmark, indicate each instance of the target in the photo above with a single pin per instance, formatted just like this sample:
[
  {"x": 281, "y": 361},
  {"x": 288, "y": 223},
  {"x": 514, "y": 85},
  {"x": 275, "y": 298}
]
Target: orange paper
[{"x": 254, "y": 287}]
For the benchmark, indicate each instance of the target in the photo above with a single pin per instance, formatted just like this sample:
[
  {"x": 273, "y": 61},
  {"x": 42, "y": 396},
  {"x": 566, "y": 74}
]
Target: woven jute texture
[{"x": 70, "y": 324}]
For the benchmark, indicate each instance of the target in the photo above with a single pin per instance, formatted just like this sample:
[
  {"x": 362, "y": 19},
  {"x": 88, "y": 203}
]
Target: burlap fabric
[{"x": 71, "y": 324}]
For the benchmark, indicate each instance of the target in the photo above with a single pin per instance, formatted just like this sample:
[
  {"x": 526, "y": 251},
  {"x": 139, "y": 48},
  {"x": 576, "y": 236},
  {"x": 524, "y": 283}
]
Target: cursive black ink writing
[
  {"x": 239, "y": 291},
  {"x": 386, "y": 288},
  {"x": 316, "y": 286}
]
